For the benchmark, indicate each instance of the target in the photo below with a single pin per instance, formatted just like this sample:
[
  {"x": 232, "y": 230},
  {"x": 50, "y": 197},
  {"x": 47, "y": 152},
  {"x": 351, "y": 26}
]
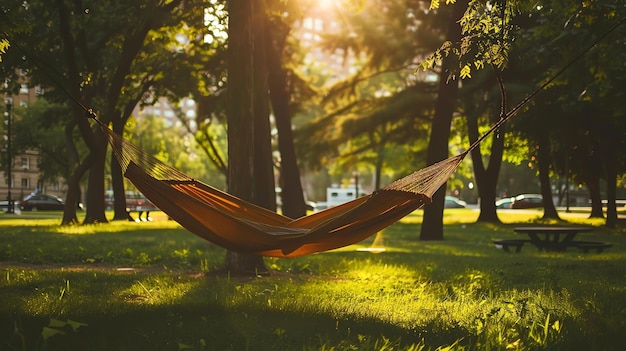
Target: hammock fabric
[{"x": 243, "y": 227}]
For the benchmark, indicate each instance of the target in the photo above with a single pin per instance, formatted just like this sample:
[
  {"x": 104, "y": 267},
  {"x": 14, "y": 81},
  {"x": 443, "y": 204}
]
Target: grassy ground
[{"x": 142, "y": 286}]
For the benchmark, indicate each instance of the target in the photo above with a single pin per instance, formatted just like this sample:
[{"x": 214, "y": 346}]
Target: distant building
[
  {"x": 25, "y": 178},
  {"x": 25, "y": 174},
  {"x": 168, "y": 111}
]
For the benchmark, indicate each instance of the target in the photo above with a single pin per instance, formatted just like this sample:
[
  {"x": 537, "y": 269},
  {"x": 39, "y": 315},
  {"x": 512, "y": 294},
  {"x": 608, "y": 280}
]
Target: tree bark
[
  {"x": 250, "y": 175},
  {"x": 611, "y": 192},
  {"x": 432, "y": 225},
  {"x": 292, "y": 196},
  {"x": 117, "y": 182},
  {"x": 69, "y": 46},
  {"x": 592, "y": 179},
  {"x": 549, "y": 210},
  {"x": 75, "y": 173},
  {"x": 95, "y": 191},
  {"x": 611, "y": 139},
  {"x": 486, "y": 177}
]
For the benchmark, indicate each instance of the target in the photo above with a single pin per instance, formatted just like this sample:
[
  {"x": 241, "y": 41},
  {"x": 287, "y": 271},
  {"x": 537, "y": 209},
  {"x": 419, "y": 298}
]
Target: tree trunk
[
  {"x": 549, "y": 211},
  {"x": 65, "y": 31},
  {"x": 250, "y": 175},
  {"x": 69, "y": 212},
  {"x": 380, "y": 154},
  {"x": 593, "y": 185},
  {"x": 292, "y": 194},
  {"x": 611, "y": 193},
  {"x": 378, "y": 167},
  {"x": 592, "y": 179},
  {"x": 73, "y": 191},
  {"x": 95, "y": 191},
  {"x": 610, "y": 160},
  {"x": 432, "y": 225},
  {"x": 486, "y": 178},
  {"x": 117, "y": 182},
  {"x": 75, "y": 173}
]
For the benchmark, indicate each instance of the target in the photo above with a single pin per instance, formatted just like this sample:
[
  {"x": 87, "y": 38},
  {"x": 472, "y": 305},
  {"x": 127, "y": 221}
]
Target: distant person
[{"x": 147, "y": 218}]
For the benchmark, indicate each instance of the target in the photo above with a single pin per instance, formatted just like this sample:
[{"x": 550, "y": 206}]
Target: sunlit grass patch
[
  {"x": 115, "y": 227},
  {"x": 157, "y": 290}
]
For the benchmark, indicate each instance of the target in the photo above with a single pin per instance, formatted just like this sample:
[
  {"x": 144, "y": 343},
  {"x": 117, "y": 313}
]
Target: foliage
[
  {"x": 37, "y": 127},
  {"x": 4, "y": 45},
  {"x": 173, "y": 146},
  {"x": 375, "y": 115},
  {"x": 584, "y": 126},
  {"x": 109, "y": 58},
  {"x": 487, "y": 30}
]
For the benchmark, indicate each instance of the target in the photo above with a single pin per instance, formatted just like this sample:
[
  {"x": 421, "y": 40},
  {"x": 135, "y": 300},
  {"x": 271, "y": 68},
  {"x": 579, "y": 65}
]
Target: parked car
[
  {"x": 504, "y": 203},
  {"x": 4, "y": 205},
  {"x": 320, "y": 206},
  {"x": 453, "y": 202},
  {"x": 39, "y": 201},
  {"x": 527, "y": 201}
]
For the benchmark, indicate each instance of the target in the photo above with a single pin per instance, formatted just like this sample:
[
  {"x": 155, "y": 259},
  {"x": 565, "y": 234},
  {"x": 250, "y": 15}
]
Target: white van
[{"x": 337, "y": 196}]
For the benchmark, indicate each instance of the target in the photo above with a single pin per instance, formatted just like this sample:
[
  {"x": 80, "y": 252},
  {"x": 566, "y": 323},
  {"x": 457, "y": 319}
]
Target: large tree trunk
[
  {"x": 73, "y": 192},
  {"x": 74, "y": 174},
  {"x": 486, "y": 178},
  {"x": 95, "y": 191},
  {"x": 250, "y": 175},
  {"x": 592, "y": 179},
  {"x": 292, "y": 196},
  {"x": 549, "y": 211},
  {"x": 69, "y": 212},
  {"x": 117, "y": 181},
  {"x": 432, "y": 225}
]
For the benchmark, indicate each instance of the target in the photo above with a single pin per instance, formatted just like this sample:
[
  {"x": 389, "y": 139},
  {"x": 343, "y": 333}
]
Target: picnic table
[{"x": 552, "y": 239}]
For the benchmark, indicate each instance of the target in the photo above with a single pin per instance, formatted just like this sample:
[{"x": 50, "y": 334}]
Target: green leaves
[
  {"x": 434, "y": 4},
  {"x": 465, "y": 72},
  {"x": 4, "y": 45},
  {"x": 486, "y": 39}
]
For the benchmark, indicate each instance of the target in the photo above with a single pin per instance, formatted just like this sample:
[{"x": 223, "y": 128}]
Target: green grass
[{"x": 141, "y": 286}]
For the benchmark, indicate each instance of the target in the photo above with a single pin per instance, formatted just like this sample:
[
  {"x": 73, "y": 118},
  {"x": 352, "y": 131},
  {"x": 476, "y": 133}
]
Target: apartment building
[{"x": 24, "y": 167}]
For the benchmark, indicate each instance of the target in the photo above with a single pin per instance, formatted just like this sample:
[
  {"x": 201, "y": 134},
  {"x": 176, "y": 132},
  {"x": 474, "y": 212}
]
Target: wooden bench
[
  {"x": 507, "y": 243},
  {"x": 587, "y": 246}
]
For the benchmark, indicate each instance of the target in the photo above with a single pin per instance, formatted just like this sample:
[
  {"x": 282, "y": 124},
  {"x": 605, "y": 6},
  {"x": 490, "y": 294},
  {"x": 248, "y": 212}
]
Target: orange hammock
[{"x": 240, "y": 226}]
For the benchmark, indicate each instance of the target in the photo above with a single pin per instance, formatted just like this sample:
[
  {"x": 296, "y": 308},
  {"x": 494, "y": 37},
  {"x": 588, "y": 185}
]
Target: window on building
[
  {"x": 308, "y": 23},
  {"x": 25, "y": 163},
  {"x": 23, "y": 89},
  {"x": 319, "y": 24},
  {"x": 25, "y": 183}
]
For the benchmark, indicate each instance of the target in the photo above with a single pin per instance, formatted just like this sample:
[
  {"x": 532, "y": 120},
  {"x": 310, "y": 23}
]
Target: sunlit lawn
[{"x": 141, "y": 286}]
